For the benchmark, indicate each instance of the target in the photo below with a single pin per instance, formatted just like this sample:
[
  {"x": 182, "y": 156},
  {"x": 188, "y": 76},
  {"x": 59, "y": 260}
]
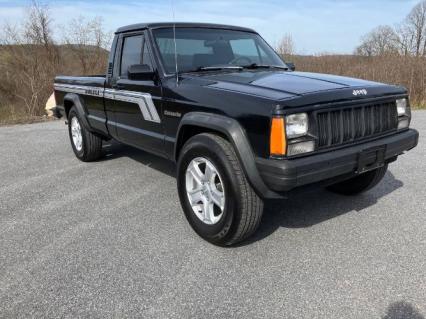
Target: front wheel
[
  {"x": 215, "y": 195},
  {"x": 361, "y": 183}
]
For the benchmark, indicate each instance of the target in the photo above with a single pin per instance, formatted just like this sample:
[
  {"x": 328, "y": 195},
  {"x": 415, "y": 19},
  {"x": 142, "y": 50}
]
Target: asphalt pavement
[{"x": 109, "y": 239}]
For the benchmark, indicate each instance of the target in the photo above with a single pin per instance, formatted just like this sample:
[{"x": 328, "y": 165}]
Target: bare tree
[
  {"x": 383, "y": 40},
  {"x": 37, "y": 28},
  {"x": 405, "y": 39},
  {"x": 88, "y": 40},
  {"x": 415, "y": 25},
  {"x": 408, "y": 38},
  {"x": 29, "y": 60},
  {"x": 286, "y": 45}
]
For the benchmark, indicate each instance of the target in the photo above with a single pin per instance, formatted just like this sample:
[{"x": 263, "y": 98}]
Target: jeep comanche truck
[{"x": 241, "y": 124}]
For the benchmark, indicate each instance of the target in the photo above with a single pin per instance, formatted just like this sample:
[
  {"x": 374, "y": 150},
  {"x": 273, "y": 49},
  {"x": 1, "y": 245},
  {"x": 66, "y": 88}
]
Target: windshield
[{"x": 199, "y": 48}]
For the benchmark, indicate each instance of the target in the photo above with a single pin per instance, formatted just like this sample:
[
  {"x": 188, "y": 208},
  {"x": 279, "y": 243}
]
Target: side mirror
[
  {"x": 291, "y": 66},
  {"x": 141, "y": 72}
]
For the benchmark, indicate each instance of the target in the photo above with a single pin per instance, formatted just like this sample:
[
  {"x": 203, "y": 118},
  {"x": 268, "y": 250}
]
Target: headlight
[
  {"x": 401, "y": 106},
  {"x": 296, "y": 125},
  {"x": 404, "y": 113}
]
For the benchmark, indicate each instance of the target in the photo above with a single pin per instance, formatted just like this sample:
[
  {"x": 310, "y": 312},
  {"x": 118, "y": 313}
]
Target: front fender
[{"x": 236, "y": 135}]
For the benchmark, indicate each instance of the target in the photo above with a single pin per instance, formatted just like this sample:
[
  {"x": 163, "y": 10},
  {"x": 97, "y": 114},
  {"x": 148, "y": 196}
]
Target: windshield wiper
[
  {"x": 217, "y": 68},
  {"x": 264, "y": 66}
]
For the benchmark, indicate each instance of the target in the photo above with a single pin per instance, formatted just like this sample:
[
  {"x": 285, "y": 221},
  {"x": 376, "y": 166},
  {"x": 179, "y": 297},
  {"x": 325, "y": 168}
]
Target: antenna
[{"x": 174, "y": 41}]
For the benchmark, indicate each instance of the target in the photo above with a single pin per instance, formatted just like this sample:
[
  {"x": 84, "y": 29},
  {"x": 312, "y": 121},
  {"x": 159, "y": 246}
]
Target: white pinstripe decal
[{"x": 143, "y": 100}]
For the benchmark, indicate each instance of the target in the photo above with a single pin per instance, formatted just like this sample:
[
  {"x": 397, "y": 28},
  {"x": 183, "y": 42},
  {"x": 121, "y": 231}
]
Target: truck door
[{"x": 137, "y": 104}]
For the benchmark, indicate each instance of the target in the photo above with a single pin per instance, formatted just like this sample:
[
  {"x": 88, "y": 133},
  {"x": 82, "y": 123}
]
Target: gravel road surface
[{"x": 109, "y": 239}]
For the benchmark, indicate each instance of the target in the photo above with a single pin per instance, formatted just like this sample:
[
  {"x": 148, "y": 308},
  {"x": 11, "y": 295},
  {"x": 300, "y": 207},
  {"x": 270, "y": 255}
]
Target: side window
[
  {"x": 131, "y": 53},
  {"x": 146, "y": 58}
]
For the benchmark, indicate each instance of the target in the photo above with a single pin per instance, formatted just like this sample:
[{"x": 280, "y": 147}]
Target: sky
[{"x": 321, "y": 26}]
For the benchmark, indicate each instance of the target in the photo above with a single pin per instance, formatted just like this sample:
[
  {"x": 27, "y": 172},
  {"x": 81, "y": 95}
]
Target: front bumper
[{"x": 285, "y": 175}]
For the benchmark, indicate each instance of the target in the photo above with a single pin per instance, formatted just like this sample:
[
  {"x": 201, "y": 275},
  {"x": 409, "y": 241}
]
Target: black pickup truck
[{"x": 242, "y": 125}]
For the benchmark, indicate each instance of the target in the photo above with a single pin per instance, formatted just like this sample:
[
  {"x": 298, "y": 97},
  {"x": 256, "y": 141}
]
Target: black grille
[{"x": 355, "y": 123}]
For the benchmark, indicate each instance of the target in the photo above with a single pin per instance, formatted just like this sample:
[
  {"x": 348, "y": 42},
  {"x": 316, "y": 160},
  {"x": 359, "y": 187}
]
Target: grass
[
  {"x": 31, "y": 120},
  {"x": 11, "y": 119}
]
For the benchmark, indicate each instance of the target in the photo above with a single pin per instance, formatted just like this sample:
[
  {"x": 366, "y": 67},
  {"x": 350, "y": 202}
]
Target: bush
[{"x": 30, "y": 59}]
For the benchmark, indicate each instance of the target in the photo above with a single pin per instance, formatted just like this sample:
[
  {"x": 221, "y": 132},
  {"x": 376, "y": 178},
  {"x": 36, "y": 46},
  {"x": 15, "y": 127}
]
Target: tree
[
  {"x": 405, "y": 39},
  {"x": 382, "y": 40},
  {"x": 408, "y": 38},
  {"x": 286, "y": 45},
  {"x": 415, "y": 26},
  {"x": 87, "y": 40},
  {"x": 30, "y": 60}
]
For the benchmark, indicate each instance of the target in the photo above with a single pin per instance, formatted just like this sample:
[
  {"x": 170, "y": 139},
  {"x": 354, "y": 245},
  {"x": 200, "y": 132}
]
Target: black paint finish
[{"x": 248, "y": 98}]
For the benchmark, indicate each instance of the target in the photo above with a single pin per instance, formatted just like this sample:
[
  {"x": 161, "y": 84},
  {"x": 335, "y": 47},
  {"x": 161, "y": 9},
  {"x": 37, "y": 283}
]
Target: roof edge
[{"x": 142, "y": 26}]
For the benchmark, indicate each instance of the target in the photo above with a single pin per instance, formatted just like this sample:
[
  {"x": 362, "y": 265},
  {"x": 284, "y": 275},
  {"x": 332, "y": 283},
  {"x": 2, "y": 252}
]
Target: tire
[
  {"x": 88, "y": 147},
  {"x": 361, "y": 183},
  {"x": 242, "y": 207}
]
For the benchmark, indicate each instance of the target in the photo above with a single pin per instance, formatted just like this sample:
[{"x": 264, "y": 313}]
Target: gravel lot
[{"x": 109, "y": 239}]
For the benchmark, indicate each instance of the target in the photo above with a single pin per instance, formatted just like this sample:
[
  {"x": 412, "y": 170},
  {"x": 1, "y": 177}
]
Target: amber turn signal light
[{"x": 277, "y": 142}]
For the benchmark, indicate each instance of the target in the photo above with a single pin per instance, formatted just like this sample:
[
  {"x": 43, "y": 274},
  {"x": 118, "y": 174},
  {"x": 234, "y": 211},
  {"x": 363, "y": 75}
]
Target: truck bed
[
  {"x": 90, "y": 91},
  {"x": 92, "y": 80}
]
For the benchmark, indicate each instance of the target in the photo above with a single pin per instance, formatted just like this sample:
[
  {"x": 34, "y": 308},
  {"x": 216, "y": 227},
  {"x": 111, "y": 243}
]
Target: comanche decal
[
  {"x": 173, "y": 114},
  {"x": 143, "y": 100}
]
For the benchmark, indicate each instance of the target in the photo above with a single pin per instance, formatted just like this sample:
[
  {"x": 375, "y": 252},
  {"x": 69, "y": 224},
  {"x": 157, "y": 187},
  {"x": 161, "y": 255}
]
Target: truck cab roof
[{"x": 152, "y": 25}]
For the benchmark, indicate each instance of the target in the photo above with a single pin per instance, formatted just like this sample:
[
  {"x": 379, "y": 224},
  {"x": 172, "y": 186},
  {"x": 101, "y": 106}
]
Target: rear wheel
[
  {"x": 215, "y": 195},
  {"x": 86, "y": 146},
  {"x": 361, "y": 183}
]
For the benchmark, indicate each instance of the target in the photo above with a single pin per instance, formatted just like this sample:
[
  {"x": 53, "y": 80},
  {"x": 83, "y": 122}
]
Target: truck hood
[{"x": 282, "y": 85}]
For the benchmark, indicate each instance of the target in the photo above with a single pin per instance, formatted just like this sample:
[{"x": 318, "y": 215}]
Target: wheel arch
[
  {"x": 72, "y": 99},
  {"x": 194, "y": 123}
]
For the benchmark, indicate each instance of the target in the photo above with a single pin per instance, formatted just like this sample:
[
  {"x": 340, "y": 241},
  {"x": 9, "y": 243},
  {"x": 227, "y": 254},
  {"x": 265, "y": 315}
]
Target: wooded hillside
[{"x": 31, "y": 54}]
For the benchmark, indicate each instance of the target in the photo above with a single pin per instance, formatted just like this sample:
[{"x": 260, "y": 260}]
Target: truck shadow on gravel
[
  {"x": 300, "y": 210},
  {"x": 113, "y": 150},
  {"x": 306, "y": 209},
  {"x": 402, "y": 310}
]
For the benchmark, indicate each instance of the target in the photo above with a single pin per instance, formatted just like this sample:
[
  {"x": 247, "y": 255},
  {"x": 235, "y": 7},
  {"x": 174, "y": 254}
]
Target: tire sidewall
[
  {"x": 79, "y": 154},
  {"x": 203, "y": 146}
]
